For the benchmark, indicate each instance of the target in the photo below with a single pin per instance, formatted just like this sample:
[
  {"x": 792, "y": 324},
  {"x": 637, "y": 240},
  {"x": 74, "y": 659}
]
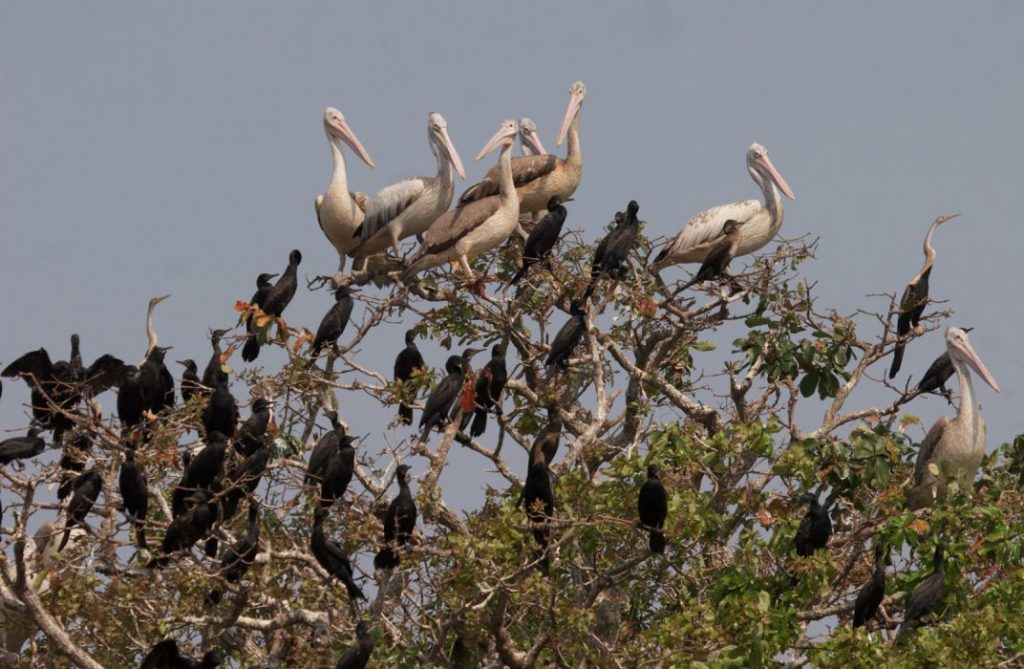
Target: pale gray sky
[{"x": 145, "y": 152}]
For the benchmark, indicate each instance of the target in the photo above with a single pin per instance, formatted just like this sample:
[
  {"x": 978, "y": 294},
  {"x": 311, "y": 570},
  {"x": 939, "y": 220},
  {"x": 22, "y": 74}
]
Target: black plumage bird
[
  {"x": 241, "y": 555},
  {"x": 188, "y": 528},
  {"x": 925, "y": 596},
  {"x": 815, "y": 528},
  {"x": 84, "y": 491},
  {"x": 569, "y": 336},
  {"x": 201, "y": 471},
  {"x": 242, "y": 480},
  {"x": 399, "y": 522},
  {"x": 871, "y": 595},
  {"x": 155, "y": 381},
  {"x": 22, "y": 448},
  {"x": 134, "y": 496},
  {"x": 358, "y": 654},
  {"x": 543, "y": 237},
  {"x": 538, "y": 500},
  {"x": 129, "y": 399},
  {"x": 214, "y": 371},
  {"x": 719, "y": 255},
  {"x": 190, "y": 383},
  {"x": 72, "y": 462},
  {"x": 254, "y": 429},
  {"x": 442, "y": 398},
  {"x": 332, "y": 462},
  {"x": 915, "y": 297},
  {"x": 221, "y": 413},
  {"x": 612, "y": 251},
  {"x": 652, "y": 505},
  {"x": 408, "y": 361},
  {"x": 275, "y": 302},
  {"x": 489, "y": 385},
  {"x": 263, "y": 286},
  {"x": 331, "y": 556},
  {"x": 334, "y": 322},
  {"x": 165, "y": 655},
  {"x": 550, "y": 437},
  {"x": 934, "y": 379}
]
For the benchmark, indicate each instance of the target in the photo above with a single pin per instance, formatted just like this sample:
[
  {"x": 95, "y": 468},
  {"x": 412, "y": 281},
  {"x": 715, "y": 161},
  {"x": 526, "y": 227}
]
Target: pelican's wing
[
  {"x": 316, "y": 205},
  {"x": 931, "y": 441},
  {"x": 389, "y": 203},
  {"x": 524, "y": 170},
  {"x": 361, "y": 199},
  {"x": 453, "y": 225},
  {"x": 707, "y": 226}
]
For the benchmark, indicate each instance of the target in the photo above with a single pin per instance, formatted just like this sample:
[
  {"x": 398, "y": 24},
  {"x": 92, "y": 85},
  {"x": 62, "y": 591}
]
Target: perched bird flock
[{"x": 525, "y": 195}]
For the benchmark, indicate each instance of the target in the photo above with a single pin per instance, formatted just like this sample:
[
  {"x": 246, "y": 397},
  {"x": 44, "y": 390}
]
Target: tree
[{"x": 729, "y": 590}]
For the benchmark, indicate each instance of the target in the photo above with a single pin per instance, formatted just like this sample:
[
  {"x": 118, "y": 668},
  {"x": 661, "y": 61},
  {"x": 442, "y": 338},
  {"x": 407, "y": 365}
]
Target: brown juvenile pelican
[
  {"x": 720, "y": 255},
  {"x": 337, "y": 209},
  {"x": 761, "y": 220},
  {"x": 409, "y": 207},
  {"x": 953, "y": 448},
  {"x": 539, "y": 177},
  {"x": 529, "y": 141},
  {"x": 477, "y": 227},
  {"x": 915, "y": 296}
]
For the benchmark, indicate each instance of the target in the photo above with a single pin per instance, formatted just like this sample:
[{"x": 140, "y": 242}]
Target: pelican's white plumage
[
  {"x": 761, "y": 220},
  {"x": 338, "y": 211},
  {"x": 409, "y": 207},
  {"x": 478, "y": 227}
]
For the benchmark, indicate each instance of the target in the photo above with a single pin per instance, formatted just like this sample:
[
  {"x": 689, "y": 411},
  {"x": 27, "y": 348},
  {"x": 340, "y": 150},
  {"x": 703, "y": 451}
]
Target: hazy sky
[{"x": 144, "y": 152}]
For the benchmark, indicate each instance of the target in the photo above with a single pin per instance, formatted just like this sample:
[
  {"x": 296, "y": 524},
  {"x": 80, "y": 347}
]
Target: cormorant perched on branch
[
  {"x": 165, "y": 655},
  {"x": 611, "y": 253},
  {"x": 334, "y": 322},
  {"x": 551, "y": 435},
  {"x": 815, "y": 527},
  {"x": 22, "y": 448},
  {"x": 442, "y": 398},
  {"x": 263, "y": 287},
  {"x": 543, "y": 237},
  {"x": 134, "y": 495},
  {"x": 719, "y": 255},
  {"x": 489, "y": 386},
  {"x": 408, "y": 361},
  {"x": 569, "y": 336},
  {"x": 539, "y": 502},
  {"x": 84, "y": 491},
  {"x": 156, "y": 385},
  {"x": 214, "y": 370},
  {"x": 934, "y": 379},
  {"x": 653, "y": 507},
  {"x": 190, "y": 383},
  {"x": 925, "y": 596},
  {"x": 243, "y": 478},
  {"x": 201, "y": 471},
  {"x": 915, "y": 296},
  {"x": 399, "y": 522},
  {"x": 871, "y": 595},
  {"x": 188, "y": 528},
  {"x": 331, "y": 556},
  {"x": 221, "y": 413},
  {"x": 254, "y": 429},
  {"x": 241, "y": 555},
  {"x": 275, "y": 302},
  {"x": 358, "y": 654},
  {"x": 332, "y": 462}
]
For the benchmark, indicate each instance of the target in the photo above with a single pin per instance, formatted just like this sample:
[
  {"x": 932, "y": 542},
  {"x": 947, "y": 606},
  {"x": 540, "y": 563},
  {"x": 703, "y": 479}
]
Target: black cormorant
[
  {"x": 408, "y": 361},
  {"x": 399, "y": 522},
  {"x": 653, "y": 507}
]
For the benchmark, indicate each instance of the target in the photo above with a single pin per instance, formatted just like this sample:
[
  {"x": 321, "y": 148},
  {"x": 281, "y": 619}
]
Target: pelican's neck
[
  {"x": 771, "y": 195},
  {"x": 444, "y": 169},
  {"x": 573, "y": 154},
  {"x": 968, "y": 412},
  {"x": 506, "y": 186},
  {"x": 339, "y": 178}
]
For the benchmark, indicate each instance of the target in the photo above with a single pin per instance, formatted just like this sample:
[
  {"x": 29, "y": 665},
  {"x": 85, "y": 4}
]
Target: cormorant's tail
[
  {"x": 387, "y": 558},
  {"x": 657, "y": 542},
  {"x": 897, "y": 360},
  {"x": 479, "y": 423},
  {"x": 405, "y": 414},
  {"x": 251, "y": 350}
]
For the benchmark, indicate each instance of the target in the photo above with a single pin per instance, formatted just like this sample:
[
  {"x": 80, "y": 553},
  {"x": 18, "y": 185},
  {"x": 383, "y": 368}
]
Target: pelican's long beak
[
  {"x": 452, "y": 153},
  {"x": 341, "y": 127},
  {"x": 766, "y": 165},
  {"x": 575, "y": 100},
  {"x": 506, "y": 134},
  {"x": 534, "y": 141},
  {"x": 971, "y": 357}
]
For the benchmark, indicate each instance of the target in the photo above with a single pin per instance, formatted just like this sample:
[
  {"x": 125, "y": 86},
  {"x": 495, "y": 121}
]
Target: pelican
[
  {"x": 953, "y": 448},
  {"x": 409, "y": 207},
  {"x": 477, "y": 227},
  {"x": 915, "y": 296},
  {"x": 337, "y": 210},
  {"x": 760, "y": 220},
  {"x": 537, "y": 178},
  {"x": 529, "y": 141}
]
